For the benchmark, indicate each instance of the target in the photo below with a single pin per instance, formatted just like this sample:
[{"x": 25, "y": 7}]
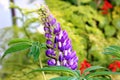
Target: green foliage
[
  {"x": 14, "y": 41},
  {"x": 16, "y": 47},
  {"x": 93, "y": 30},
  {"x": 64, "y": 78},
  {"x": 74, "y": 2},
  {"x": 113, "y": 50},
  {"x": 76, "y": 75},
  {"x": 109, "y": 31},
  {"x": 89, "y": 30},
  {"x": 22, "y": 44},
  {"x": 55, "y": 69},
  {"x": 35, "y": 50},
  {"x": 101, "y": 73},
  {"x": 92, "y": 68}
]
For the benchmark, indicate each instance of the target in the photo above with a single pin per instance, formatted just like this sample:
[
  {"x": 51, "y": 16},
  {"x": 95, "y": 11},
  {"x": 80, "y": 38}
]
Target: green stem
[
  {"x": 41, "y": 66},
  {"x": 26, "y": 33},
  {"x": 24, "y": 28}
]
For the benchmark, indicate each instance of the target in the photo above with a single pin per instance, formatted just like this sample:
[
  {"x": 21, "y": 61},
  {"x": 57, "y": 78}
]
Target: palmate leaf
[
  {"x": 57, "y": 69},
  {"x": 101, "y": 73},
  {"x": 35, "y": 51},
  {"x": 43, "y": 45},
  {"x": 92, "y": 68},
  {"x": 15, "y": 48},
  {"x": 17, "y": 40},
  {"x": 32, "y": 50},
  {"x": 64, "y": 78},
  {"x": 112, "y": 50}
]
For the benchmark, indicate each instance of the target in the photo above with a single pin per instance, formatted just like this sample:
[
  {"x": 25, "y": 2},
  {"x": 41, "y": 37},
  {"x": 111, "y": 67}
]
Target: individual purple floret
[{"x": 59, "y": 52}]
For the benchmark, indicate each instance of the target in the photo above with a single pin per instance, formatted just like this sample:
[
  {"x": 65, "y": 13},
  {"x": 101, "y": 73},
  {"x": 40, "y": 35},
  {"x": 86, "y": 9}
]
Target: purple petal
[
  {"x": 55, "y": 40},
  {"x": 66, "y": 55},
  {"x": 73, "y": 54},
  {"x": 46, "y": 29},
  {"x": 50, "y": 17},
  {"x": 61, "y": 48},
  {"x": 67, "y": 65},
  {"x": 64, "y": 62},
  {"x": 73, "y": 67},
  {"x": 49, "y": 42},
  {"x": 52, "y": 22},
  {"x": 61, "y": 58},
  {"x": 71, "y": 62},
  {"x": 67, "y": 46},
  {"x": 51, "y": 62},
  {"x": 75, "y": 59},
  {"x": 47, "y": 35},
  {"x": 57, "y": 28},
  {"x": 58, "y": 63},
  {"x": 59, "y": 44},
  {"x": 64, "y": 37},
  {"x": 50, "y": 52},
  {"x": 54, "y": 46}
]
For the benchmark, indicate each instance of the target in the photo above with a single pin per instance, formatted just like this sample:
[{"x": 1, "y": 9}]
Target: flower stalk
[{"x": 59, "y": 48}]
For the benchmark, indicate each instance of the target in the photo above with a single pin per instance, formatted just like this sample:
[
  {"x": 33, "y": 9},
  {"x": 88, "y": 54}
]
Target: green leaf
[
  {"x": 34, "y": 51},
  {"x": 15, "y": 48},
  {"x": 110, "y": 31},
  {"x": 57, "y": 69},
  {"x": 92, "y": 68},
  {"x": 17, "y": 40},
  {"x": 101, "y": 73},
  {"x": 99, "y": 78},
  {"x": 112, "y": 50},
  {"x": 64, "y": 78},
  {"x": 43, "y": 45},
  {"x": 36, "y": 54},
  {"x": 116, "y": 59},
  {"x": 85, "y": 1},
  {"x": 77, "y": 71}
]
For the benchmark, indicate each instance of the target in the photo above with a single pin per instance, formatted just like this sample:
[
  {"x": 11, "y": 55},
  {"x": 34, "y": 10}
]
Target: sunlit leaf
[
  {"x": 102, "y": 73},
  {"x": 17, "y": 40},
  {"x": 99, "y": 78},
  {"x": 85, "y": 1},
  {"x": 35, "y": 51},
  {"x": 93, "y": 68},
  {"x": 112, "y": 50},
  {"x": 116, "y": 59},
  {"x": 16, "y": 48},
  {"x": 64, "y": 78},
  {"x": 77, "y": 71},
  {"x": 109, "y": 31},
  {"x": 32, "y": 50},
  {"x": 43, "y": 45},
  {"x": 56, "y": 69},
  {"x": 36, "y": 54}
]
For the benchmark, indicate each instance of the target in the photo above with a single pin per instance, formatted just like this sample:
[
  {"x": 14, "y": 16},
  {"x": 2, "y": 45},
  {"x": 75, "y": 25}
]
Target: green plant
[{"x": 92, "y": 73}]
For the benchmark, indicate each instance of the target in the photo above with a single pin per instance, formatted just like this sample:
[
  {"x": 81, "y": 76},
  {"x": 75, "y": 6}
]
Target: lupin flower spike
[{"x": 59, "y": 46}]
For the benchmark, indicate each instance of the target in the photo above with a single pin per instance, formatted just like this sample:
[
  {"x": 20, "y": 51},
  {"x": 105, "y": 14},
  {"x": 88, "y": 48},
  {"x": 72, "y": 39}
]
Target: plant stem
[
  {"x": 13, "y": 14},
  {"x": 14, "y": 22},
  {"x": 24, "y": 27},
  {"x": 41, "y": 66}
]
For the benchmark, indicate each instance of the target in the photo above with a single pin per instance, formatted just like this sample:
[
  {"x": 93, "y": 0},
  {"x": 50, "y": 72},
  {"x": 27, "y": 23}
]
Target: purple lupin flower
[{"x": 59, "y": 52}]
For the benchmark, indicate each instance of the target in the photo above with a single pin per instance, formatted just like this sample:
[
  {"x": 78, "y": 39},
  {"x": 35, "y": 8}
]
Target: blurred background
[{"x": 92, "y": 25}]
